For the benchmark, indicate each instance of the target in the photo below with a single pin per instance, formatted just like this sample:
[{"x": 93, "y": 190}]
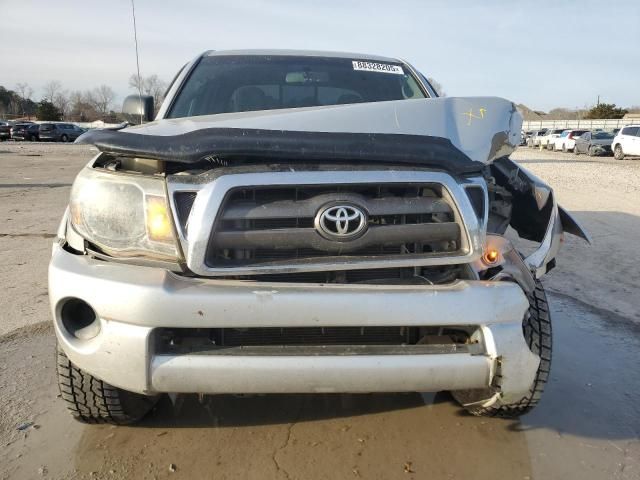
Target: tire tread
[
  {"x": 91, "y": 400},
  {"x": 538, "y": 335}
]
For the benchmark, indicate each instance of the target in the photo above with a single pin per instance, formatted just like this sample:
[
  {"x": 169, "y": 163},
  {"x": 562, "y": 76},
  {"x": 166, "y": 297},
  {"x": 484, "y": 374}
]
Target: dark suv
[
  {"x": 25, "y": 131},
  {"x": 60, "y": 132},
  {"x": 5, "y": 130}
]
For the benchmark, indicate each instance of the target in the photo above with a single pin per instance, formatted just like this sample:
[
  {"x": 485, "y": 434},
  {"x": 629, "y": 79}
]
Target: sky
[{"x": 544, "y": 54}]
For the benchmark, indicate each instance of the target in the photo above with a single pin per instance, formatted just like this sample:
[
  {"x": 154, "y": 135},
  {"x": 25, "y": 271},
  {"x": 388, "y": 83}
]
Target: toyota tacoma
[{"x": 304, "y": 222}]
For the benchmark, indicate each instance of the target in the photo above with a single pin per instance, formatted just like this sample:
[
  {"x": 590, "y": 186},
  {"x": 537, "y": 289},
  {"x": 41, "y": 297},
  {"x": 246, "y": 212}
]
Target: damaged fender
[{"x": 536, "y": 215}]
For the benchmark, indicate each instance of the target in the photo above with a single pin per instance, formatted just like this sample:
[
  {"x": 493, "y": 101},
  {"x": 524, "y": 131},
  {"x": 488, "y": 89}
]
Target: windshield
[
  {"x": 602, "y": 135},
  {"x": 241, "y": 83}
]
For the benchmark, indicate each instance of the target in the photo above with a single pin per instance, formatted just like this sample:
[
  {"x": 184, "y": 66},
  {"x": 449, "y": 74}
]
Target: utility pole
[{"x": 598, "y": 103}]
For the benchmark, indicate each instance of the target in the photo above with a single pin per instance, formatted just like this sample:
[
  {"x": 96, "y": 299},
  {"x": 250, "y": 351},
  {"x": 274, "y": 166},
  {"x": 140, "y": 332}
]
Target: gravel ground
[{"x": 587, "y": 426}]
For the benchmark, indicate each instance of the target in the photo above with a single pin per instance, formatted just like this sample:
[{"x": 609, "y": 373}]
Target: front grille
[{"x": 260, "y": 226}]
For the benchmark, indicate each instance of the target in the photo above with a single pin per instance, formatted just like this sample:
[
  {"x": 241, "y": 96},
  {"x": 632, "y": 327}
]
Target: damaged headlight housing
[{"x": 125, "y": 215}]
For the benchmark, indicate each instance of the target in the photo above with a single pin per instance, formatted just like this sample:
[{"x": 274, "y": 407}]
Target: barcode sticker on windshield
[{"x": 377, "y": 67}]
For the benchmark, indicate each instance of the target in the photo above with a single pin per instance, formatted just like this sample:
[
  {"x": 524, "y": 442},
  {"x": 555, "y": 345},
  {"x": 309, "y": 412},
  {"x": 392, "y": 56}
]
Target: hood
[{"x": 454, "y": 133}]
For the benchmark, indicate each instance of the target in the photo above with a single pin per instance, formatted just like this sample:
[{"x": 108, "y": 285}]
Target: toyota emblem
[{"x": 341, "y": 222}]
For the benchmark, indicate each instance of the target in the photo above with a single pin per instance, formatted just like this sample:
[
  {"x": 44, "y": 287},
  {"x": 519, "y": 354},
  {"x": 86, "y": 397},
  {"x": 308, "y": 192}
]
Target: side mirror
[{"x": 137, "y": 108}]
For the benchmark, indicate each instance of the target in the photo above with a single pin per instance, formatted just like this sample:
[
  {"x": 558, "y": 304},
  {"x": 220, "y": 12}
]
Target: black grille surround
[
  {"x": 305, "y": 340},
  {"x": 276, "y": 225},
  {"x": 184, "y": 203}
]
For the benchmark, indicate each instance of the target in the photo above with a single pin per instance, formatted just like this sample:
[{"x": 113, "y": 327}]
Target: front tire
[
  {"x": 64, "y": 138},
  {"x": 91, "y": 400},
  {"x": 537, "y": 333}
]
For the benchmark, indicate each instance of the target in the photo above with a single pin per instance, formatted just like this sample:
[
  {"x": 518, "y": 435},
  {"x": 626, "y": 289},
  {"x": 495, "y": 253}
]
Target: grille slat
[
  {"x": 305, "y": 237},
  {"x": 308, "y": 208}
]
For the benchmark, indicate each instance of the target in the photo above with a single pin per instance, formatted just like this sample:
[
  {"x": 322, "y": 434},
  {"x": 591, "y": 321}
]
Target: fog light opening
[{"x": 79, "y": 319}]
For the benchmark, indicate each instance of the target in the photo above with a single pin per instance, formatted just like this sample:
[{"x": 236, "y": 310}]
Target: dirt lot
[{"x": 587, "y": 427}]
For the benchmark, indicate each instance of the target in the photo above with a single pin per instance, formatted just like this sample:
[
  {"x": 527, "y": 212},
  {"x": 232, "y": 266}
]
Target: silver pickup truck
[{"x": 300, "y": 222}]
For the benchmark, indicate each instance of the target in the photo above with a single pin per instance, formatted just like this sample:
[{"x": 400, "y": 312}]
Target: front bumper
[{"x": 131, "y": 301}]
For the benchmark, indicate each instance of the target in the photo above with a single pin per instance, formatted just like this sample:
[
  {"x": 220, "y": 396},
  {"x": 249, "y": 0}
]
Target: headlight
[{"x": 124, "y": 215}]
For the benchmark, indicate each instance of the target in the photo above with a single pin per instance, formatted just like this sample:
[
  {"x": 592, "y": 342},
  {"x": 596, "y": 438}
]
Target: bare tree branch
[
  {"x": 151, "y": 85},
  {"x": 61, "y": 102},
  {"x": 102, "y": 99},
  {"x": 51, "y": 89},
  {"x": 24, "y": 90}
]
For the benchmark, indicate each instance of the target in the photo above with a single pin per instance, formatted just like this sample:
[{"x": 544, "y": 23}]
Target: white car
[
  {"x": 626, "y": 142},
  {"x": 567, "y": 140},
  {"x": 547, "y": 141}
]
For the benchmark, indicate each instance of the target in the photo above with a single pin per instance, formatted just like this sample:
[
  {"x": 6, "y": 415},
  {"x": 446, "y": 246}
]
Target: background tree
[
  {"x": 151, "y": 85},
  {"x": 606, "y": 110},
  {"x": 6, "y": 98},
  {"x": 51, "y": 90},
  {"x": 24, "y": 91},
  {"x": 437, "y": 87},
  {"x": 47, "y": 111},
  {"x": 81, "y": 108},
  {"x": 61, "y": 102},
  {"x": 102, "y": 99}
]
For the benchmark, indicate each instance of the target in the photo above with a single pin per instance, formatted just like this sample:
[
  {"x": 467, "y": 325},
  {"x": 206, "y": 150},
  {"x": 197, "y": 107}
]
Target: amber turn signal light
[
  {"x": 491, "y": 256},
  {"x": 159, "y": 226}
]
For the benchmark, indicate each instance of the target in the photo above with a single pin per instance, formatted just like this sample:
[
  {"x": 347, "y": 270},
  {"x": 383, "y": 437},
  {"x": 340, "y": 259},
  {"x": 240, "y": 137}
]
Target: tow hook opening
[{"x": 79, "y": 319}]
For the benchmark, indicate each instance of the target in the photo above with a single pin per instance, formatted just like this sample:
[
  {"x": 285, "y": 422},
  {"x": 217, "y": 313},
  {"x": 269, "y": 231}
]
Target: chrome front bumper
[{"x": 130, "y": 301}]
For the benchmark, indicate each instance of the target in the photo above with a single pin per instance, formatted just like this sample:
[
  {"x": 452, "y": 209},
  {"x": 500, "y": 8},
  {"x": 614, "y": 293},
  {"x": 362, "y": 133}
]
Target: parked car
[
  {"x": 626, "y": 142},
  {"x": 594, "y": 143},
  {"x": 5, "y": 130},
  {"x": 59, "y": 132},
  {"x": 271, "y": 251},
  {"x": 25, "y": 131},
  {"x": 548, "y": 139},
  {"x": 567, "y": 140},
  {"x": 534, "y": 139}
]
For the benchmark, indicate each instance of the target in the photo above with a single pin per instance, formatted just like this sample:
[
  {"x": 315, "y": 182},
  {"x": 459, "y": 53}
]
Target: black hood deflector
[{"x": 298, "y": 146}]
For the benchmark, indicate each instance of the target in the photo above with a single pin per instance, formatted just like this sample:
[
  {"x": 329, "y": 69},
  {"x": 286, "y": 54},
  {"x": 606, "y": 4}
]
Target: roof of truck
[{"x": 301, "y": 53}]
